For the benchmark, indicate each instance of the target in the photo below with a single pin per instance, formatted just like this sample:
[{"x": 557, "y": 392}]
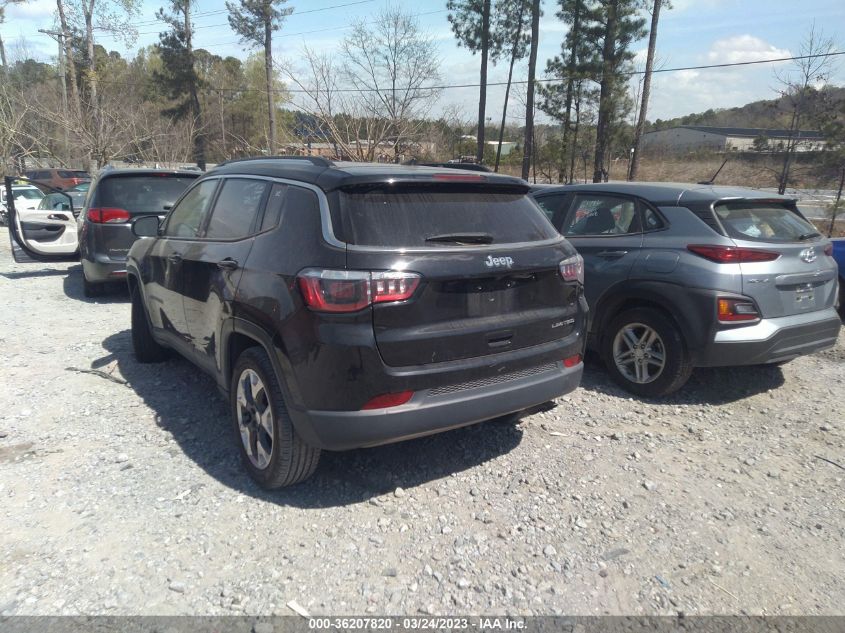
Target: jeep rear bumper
[{"x": 435, "y": 410}]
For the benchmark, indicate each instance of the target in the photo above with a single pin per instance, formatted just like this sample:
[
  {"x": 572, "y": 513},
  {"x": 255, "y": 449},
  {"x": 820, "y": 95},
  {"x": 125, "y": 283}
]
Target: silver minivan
[{"x": 682, "y": 276}]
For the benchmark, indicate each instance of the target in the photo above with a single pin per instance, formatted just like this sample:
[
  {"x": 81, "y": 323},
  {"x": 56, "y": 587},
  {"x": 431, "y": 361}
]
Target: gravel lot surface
[{"x": 121, "y": 492}]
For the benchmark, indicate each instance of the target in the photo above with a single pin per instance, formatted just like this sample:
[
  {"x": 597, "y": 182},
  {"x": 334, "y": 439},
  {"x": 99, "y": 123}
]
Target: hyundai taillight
[
  {"x": 572, "y": 269},
  {"x": 353, "y": 290},
  {"x": 388, "y": 400},
  {"x": 732, "y": 254},
  {"x": 108, "y": 215},
  {"x": 732, "y": 310}
]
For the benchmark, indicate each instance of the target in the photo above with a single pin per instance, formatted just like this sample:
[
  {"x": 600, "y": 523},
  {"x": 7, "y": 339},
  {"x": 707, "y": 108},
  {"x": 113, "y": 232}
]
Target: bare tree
[
  {"x": 390, "y": 63},
  {"x": 812, "y": 69},
  {"x": 379, "y": 87}
]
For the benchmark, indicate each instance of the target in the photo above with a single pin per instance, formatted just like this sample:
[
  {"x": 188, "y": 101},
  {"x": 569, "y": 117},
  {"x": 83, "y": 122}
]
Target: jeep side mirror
[{"x": 146, "y": 226}]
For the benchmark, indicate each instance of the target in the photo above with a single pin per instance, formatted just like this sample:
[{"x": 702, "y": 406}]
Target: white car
[
  {"x": 48, "y": 220},
  {"x": 27, "y": 198}
]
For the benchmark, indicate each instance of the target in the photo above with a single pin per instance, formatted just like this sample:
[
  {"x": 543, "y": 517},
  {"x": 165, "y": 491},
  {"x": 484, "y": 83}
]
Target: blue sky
[{"x": 694, "y": 32}]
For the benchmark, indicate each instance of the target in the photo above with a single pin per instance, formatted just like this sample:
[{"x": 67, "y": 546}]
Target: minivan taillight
[
  {"x": 108, "y": 215},
  {"x": 353, "y": 290},
  {"x": 732, "y": 254},
  {"x": 572, "y": 269}
]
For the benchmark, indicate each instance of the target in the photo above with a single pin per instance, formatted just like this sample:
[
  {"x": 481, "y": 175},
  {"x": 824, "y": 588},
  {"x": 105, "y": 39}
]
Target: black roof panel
[{"x": 334, "y": 175}]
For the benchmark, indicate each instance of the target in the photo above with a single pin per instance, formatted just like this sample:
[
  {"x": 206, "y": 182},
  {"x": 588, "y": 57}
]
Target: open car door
[{"x": 47, "y": 233}]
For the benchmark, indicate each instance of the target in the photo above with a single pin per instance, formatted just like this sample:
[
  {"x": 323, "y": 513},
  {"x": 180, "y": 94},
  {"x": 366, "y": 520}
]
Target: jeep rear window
[
  {"x": 405, "y": 218},
  {"x": 141, "y": 193},
  {"x": 762, "y": 221}
]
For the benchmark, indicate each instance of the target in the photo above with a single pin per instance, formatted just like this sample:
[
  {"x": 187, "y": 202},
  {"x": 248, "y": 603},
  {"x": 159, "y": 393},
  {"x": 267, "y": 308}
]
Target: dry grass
[
  {"x": 760, "y": 172},
  {"x": 824, "y": 225}
]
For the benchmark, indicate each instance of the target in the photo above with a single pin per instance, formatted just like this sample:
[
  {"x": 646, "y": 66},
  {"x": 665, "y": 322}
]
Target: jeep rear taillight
[
  {"x": 108, "y": 215},
  {"x": 572, "y": 269},
  {"x": 353, "y": 290}
]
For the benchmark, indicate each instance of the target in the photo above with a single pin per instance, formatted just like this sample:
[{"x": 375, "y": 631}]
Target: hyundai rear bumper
[{"x": 773, "y": 340}]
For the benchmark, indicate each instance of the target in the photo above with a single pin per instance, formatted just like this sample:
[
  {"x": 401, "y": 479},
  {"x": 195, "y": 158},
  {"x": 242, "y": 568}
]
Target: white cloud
[
  {"x": 743, "y": 48},
  {"x": 683, "y": 5},
  {"x": 35, "y": 10}
]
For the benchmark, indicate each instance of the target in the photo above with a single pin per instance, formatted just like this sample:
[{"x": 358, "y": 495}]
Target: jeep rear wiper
[
  {"x": 807, "y": 236},
  {"x": 462, "y": 238}
]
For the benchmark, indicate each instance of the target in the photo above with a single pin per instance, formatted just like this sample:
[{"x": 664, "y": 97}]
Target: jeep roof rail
[{"x": 317, "y": 161}]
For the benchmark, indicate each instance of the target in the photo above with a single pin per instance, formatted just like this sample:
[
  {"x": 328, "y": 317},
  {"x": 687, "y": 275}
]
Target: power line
[
  {"x": 109, "y": 32},
  {"x": 630, "y": 73},
  {"x": 326, "y": 30},
  {"x": 207, "y": 26}
]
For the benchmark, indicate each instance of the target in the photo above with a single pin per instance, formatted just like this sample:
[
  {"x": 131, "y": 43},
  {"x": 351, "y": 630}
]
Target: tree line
[{"x": 372, "y": 99}]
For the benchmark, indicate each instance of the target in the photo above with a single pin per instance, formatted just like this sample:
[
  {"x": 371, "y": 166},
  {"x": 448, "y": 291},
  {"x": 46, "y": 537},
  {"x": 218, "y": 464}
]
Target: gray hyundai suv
[{"x": 681, "y": 276}]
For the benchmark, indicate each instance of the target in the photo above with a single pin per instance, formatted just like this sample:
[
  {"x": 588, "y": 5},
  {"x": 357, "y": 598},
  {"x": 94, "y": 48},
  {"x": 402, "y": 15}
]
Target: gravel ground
[{"x": 125, "y": 495}]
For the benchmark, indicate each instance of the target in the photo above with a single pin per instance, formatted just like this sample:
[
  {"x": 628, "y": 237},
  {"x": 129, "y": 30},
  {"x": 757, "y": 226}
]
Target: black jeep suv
[{"x": 344, "y": 305}]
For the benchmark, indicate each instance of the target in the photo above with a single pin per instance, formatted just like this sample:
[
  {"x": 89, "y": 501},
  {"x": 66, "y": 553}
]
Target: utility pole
[
  {"x": 59, "y": 37},
  {"x": 836, "y": 204}
]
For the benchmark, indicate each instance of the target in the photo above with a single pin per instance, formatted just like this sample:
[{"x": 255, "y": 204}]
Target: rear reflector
[
  {"x": 388, "y": 400},
  {"x": 732, "y": 254},
  {"x": 353, "y": 290},
  {"x": 733, "y": 310},
  {"x": 572, "y": 360},
  {"x": 108, "y": 215}
]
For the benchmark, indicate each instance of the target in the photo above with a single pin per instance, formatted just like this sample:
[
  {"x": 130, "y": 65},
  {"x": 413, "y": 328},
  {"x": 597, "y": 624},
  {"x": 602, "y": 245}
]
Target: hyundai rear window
[
  {"x": 764, "y": 222},
  {"x": 138, "y": 194},
  {"x": 412, "y": 217}
]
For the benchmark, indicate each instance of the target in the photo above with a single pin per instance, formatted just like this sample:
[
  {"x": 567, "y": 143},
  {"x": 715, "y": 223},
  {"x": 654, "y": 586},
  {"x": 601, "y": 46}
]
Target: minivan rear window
[
  {"x": 139, "y": 194},
  {"x": 406, "y": 217},
  {"x": 763, "y": 221}
]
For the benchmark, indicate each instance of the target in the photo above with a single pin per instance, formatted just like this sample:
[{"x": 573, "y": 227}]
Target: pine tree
[
  {"x": 255, "y": 21},
  {"x": 511, "y": 22},
  {"x": 649, "y": 67},
  {"x": 618, "y": 25},
  {"x": 470, "y": 20},
  {"x": 579, "y": 60},
  {"x": 178, "y": 77},
  {"x": 528, "y": 147}
]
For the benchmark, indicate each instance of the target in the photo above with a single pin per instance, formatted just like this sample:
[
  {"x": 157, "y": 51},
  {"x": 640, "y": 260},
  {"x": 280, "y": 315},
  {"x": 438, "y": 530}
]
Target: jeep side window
[
  {"x": 597, "y": 214},
  {"x": 275, "y": 204},
  {"x": 236, "y": 208},
  {"x": 187, "y": 217}
]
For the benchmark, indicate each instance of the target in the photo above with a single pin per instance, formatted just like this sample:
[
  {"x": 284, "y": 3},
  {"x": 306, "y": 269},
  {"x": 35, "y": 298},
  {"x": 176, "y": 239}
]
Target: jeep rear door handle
[
  {"x": 227, "y": 264},
  {"x": 611, "y": 254},
  {"x": 175, "y": 258}
]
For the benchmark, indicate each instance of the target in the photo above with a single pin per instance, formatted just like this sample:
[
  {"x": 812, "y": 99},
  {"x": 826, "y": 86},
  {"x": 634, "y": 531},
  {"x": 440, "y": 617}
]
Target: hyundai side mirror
[{"x": 146, "y": 226}]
